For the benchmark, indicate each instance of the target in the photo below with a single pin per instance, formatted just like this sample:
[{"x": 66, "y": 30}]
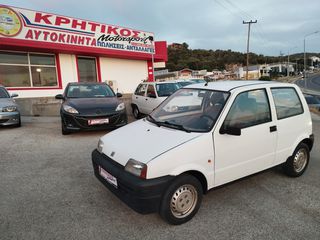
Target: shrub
[{"x": 265, "y": 78}]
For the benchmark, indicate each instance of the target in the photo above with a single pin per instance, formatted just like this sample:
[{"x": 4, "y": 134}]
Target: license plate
[
  {"x": 98, "y": 121},
  {"x": 107, "y": 176}
]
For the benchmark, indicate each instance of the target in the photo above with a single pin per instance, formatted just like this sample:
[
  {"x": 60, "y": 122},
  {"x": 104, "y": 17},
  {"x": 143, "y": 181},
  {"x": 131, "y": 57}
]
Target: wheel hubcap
[
  {"x": 183, "y": 201},
  {"x": 300, "y": 160}
]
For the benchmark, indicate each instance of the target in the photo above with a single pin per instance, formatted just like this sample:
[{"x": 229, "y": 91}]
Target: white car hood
[{"x": 142, "y": 141}]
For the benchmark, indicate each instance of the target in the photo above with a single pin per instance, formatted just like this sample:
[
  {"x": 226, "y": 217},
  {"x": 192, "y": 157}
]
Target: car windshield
[
  {"x": 89, "y": 91},
  {"x": 166, "y": 89},
  {"x": 185, "y": 83},
  {"x": 4, "y": 93},
  {"x": 190, "y": 110},
  {"x": 198, "y": 80}
]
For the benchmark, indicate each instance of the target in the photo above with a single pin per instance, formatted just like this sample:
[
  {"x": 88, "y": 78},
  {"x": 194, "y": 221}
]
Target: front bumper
[
  {"x": 9, "y": 118},
  {"x": 75, "y": 122},
  {"x": 142, "y": 195}
]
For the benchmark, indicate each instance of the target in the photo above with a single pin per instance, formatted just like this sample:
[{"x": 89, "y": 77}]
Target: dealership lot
[{"x": 48, "y": 191}]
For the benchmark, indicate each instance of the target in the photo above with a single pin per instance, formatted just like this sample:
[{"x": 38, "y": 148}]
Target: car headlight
[
  {"x": 100, "y": 146},
  {"x": 69, "y": 109},
  {"x": 9, "y": 109},
  {"x": 120, "y": 107},
  {"x": 136, "y": 168}
]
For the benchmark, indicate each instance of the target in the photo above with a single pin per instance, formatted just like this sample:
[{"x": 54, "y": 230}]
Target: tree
[{"x": 198, "y": 59}]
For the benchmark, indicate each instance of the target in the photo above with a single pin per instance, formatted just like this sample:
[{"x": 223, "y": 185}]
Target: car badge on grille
[{"x": 112, "y": 154}]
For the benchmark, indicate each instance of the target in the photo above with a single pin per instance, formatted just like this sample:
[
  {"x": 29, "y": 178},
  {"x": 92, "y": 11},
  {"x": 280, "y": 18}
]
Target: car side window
[
  {"x": 151, "y": 91},
  {"x": 248, "y": 109},
  {"x": 141, "y": 89},
  {"x": 3, "y": 93},
  {"x": 287, "y": 102}
]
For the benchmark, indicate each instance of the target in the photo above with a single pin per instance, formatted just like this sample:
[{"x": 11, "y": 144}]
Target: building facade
[{"x": 40, "y": 53}]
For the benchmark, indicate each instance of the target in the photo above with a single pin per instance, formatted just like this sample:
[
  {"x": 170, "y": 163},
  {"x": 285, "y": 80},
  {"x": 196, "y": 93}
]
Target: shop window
[
  {"x": 43, "y": 76},
  {"x": 27, "y": 70},
  {"x": 14, "y": 58},
  {"x": 87, "y": 69}
]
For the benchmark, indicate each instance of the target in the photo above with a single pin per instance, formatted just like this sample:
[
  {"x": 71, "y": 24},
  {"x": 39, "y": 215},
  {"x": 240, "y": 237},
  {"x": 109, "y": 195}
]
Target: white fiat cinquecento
[{"x": 201, "y": 137}]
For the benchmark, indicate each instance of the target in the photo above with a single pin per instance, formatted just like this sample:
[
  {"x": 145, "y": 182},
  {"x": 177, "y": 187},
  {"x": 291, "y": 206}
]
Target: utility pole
[
  {"x": 249, "y": 27},
  {"x": 304, "y": 57}
]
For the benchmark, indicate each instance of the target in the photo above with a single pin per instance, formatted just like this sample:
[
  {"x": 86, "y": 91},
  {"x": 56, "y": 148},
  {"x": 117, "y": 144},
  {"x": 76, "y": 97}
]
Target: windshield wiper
[
  {"x": 174, "y": 125},
  {"x": 151, "y": 119}
]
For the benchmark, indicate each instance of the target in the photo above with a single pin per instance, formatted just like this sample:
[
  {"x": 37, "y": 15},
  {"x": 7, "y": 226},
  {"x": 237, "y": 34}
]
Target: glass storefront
[{"x": 19, "y": 69}]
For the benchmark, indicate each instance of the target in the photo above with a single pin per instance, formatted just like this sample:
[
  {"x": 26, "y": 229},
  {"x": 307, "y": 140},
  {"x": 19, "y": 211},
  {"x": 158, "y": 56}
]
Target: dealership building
[{"x": 40, "y": 53}]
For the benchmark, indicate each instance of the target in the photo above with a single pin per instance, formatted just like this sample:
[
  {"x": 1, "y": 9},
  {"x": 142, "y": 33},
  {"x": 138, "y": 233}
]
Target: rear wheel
[
  {"x": 182, "y": 200},
  {"x": 298, "y": 162},
  {"x": 135, "y": 111}
]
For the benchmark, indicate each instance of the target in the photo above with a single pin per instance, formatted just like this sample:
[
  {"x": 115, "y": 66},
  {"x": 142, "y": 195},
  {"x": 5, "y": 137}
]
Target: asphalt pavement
[
  {"x": 311, "y": 84},
  {"x": 48, "y": 191}
]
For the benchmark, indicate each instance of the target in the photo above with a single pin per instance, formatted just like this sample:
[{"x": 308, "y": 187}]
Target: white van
[
  {"x": 201, "y": 137},
  {"x": 149, "y": 95}
]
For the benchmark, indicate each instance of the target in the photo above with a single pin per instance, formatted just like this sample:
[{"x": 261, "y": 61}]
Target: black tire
[
  {"x": 135, "y": 111},
  {"x": 296, "y": 165},
  {"x": 177, "y": 197},
  {"x": 64, "y": 129},
  {"x": 19, "y": 123}
]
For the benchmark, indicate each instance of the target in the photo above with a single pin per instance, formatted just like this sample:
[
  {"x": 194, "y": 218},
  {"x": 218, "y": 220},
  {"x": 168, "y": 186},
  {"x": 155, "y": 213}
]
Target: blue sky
[{"x": 205, "y": 24}]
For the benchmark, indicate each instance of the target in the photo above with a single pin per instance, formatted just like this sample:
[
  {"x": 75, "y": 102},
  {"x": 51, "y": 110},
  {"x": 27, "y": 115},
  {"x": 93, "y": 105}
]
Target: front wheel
[
  {"x": 64, "y": 129},
  {"x": 19, "y": 123},
  {"x": 182, "y": 200},
  {"x": 298, "y": 162},
  {"x": 136, "y": 113}
]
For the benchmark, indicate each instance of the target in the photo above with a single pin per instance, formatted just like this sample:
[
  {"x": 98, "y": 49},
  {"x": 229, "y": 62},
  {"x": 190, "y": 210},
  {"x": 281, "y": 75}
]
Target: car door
[
  {"x": 291, "y": 120},
  {"x": 151, "y": 100},
  {"x": 252, "y": 151},
  {"x": 139, "y": 97}
]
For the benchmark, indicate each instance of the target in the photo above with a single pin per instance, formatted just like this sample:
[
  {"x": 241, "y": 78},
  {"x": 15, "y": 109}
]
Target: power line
[
  {"x": 239, "y": 9},
  {"x": 220, "y": 3},
  {"x": 244, "y": 14}
]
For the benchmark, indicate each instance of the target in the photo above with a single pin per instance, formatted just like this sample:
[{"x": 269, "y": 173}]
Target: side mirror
[
  {"x": 152, "y": 95},
  {"x": 14, "y": 95},
  {"x": 119, "y": 95},
  {"x": 60, "y": 96},
  {"x": 230, "y": 131}
]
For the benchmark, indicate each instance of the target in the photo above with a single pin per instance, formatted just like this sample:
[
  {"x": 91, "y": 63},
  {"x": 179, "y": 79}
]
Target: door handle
[
  {"x": 273, "y": 128},
  {"x": 136, "y": 97}
]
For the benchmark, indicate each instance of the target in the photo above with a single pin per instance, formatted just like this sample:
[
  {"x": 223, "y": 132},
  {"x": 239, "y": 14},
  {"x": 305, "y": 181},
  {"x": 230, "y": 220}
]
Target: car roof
[
  {"x": 162, "y": 82},
  {"x": 228, "y": 86},
  {"x": 183, "y": 80},
  {"x": 86, "y": 83}
]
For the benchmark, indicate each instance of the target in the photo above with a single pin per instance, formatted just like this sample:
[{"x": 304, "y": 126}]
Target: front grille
[
  {"x": 110, "y": 160},
  {"x": 3, "y": 120}
]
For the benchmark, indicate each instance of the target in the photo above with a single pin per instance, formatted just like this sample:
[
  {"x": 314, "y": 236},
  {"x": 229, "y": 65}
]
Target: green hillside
[{"x": 197, "y": 59}]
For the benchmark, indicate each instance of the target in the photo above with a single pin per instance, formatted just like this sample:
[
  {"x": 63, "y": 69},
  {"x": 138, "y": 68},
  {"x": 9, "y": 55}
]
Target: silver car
[{"x": 9, "y": 111}]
